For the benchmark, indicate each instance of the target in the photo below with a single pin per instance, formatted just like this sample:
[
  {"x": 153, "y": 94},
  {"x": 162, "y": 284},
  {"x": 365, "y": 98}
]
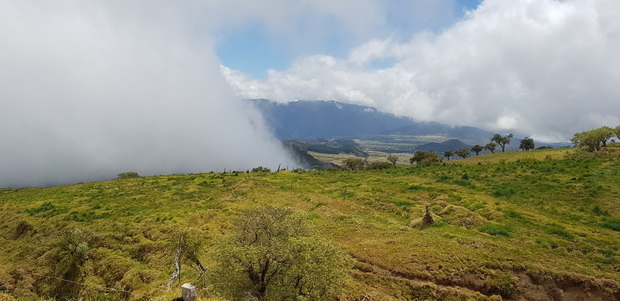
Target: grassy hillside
[{"x": 538, "y": 225}]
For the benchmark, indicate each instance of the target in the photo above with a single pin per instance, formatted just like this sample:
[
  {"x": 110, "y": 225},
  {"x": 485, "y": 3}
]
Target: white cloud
[
  {"x": 545, "y": 68},
  {"x": 91, "y": 90}
]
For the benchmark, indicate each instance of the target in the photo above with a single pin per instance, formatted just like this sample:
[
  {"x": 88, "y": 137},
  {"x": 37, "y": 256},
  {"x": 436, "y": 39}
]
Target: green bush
[
  {"x": 261, "y": 169},
  {"x": 353, "y": 163},
  {"x": 127, "y": 175}
]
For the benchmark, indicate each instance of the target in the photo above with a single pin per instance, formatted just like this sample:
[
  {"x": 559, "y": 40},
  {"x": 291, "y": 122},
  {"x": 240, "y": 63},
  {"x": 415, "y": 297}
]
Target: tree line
[{"x": 589, "y": 141}]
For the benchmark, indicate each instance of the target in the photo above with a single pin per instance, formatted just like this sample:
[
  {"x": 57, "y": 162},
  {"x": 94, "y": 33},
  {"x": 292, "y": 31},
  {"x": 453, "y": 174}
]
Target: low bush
[{"x": 127, "y": 175}]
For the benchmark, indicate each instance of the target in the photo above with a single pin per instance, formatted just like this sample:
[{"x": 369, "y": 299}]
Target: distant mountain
[
  {"x": 306, "y": 119},
  {"x": 449, "y": 145},
  {"x": 326, "y": 119}
]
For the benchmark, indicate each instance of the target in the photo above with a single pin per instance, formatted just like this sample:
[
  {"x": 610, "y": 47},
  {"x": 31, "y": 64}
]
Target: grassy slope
[{"x": 512, "y": 224}]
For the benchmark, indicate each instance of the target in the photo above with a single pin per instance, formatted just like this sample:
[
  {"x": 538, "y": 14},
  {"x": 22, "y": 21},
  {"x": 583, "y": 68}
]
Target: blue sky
[{"x": 253, "y": 49}]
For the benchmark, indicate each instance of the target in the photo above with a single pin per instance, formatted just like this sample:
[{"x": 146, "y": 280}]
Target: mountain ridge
[{"x": 317, "y": 119}]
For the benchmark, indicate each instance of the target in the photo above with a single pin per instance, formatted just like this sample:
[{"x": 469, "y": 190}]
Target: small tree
[
  {"x": 424, "y": 158},
  {"x": 501, "y": 140},
  {"x": 463, "y": 153},
  {"x": 593, "y": 140},
  {"x": 448, "y": 154},
  {"x": 353, "y": 163},
  {"x": 392, "y": 159},
  {"x": 477, "y": 149},
  {"x": 490, "y": 147},
  {"x": 526, "y": 144},
  {"x": 617, "y": 132},
  {"x": 271, "y": 255}
]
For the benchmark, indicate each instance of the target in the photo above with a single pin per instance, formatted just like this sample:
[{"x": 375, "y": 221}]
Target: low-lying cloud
[
  {"x": 545, "y": 68},
  {"x": 89, "y": 90}
]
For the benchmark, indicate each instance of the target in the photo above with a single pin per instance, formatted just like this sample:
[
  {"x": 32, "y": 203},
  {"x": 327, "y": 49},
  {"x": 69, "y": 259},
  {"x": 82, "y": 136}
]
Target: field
[{"x": 537, "y": 225}]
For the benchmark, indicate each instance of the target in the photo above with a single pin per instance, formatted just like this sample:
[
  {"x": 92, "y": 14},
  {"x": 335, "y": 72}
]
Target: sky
[
  {"x": 254, "y": 47},
  {"x": 540, "y": 68},
  {"x": 89, "y": 89}
]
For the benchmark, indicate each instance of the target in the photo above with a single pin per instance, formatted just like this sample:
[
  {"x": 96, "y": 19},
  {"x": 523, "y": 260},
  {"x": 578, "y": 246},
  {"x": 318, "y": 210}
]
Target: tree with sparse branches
[
  {"x": 501, "y": 140},
  {"x": 527, "y": 144},
  {"x": 271, "y": 254},
  {"x": 448, "y": 154},
  {"x": 490, "y": 147},
  {"x": 477, "y": 149},
  {"x": 463, "y": 153},
  {"x": 392, "y": 159}
]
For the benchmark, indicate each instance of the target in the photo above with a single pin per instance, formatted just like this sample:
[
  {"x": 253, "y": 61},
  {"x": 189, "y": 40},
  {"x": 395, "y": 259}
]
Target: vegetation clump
[
  {"x": 353, "y": 163},
  {"x": 526, "y": 144},
  {"x": 127, "y": 175},
  {"x": 261, "y": 169},
  {"x": 593, "y": 140},
  {"x": 379, "y": 165},
  {"x": 463, "y": 153},
  {"x": 424, "y": 158},
  {"x": 271, "y": 255}
]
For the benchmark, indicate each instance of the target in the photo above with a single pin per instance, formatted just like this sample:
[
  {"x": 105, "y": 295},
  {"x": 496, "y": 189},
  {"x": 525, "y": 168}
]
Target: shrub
[
  {"x": 425, "y": 158},
  {"x": 261, "y": 169},
  {"x": 127, "y": 175},
  {"x": 353, "y": 163},
  {"x": 66, "y": 260}
]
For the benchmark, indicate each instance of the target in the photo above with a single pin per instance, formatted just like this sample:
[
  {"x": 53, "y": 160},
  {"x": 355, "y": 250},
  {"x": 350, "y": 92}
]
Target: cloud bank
[
  {"x": 544, "y": 68},
  {"x": 92, "y": 89}
]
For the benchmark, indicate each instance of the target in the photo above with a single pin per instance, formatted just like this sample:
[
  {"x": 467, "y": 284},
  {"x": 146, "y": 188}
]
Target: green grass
[
  {"x": 495, "y": 229},
  {"x": 542, "y": 213}
]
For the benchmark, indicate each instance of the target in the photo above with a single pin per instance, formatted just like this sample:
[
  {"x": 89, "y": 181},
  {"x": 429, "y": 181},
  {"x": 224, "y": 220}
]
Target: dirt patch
[
  {"x": 567, "y": 288},
  {"x": 519, "y": 286}
]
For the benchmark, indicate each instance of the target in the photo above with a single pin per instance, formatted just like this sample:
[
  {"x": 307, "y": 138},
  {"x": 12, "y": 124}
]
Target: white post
[{"x": 188, "y": 292}]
